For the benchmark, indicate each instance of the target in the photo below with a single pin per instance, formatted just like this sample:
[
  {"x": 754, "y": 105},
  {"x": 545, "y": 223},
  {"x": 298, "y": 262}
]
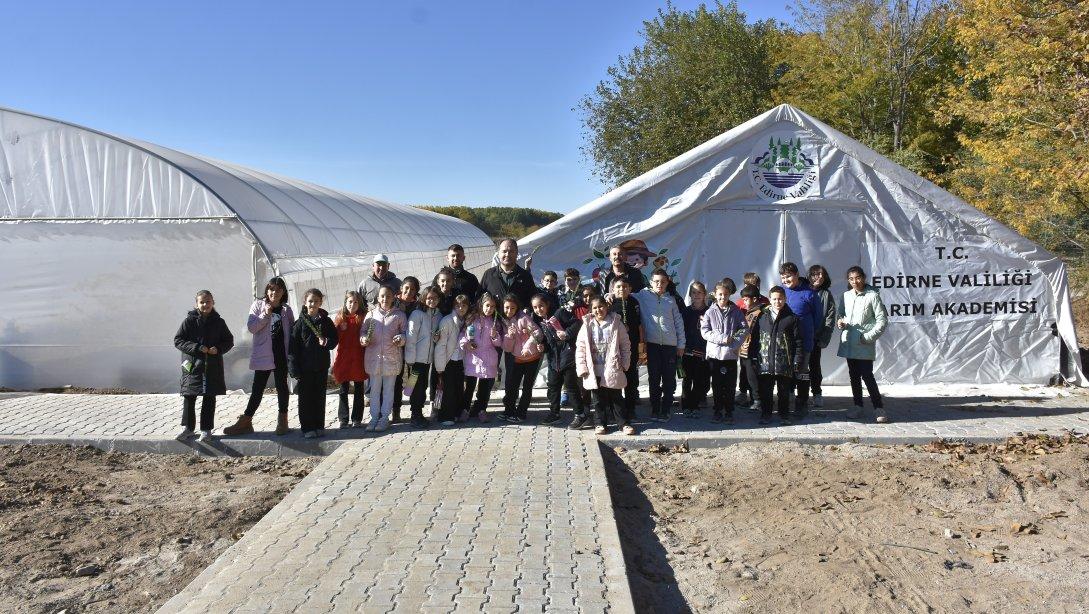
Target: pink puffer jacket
[
  {"x": 383, "y": 358},
  {"x": 519, "y": 340},
  {"x": 617, "y": 354},
  {"x": 482, "y": 362}
]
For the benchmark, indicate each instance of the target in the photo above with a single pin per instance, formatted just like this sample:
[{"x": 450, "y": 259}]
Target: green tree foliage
[
  {"x": 876, "y": 70},
  {"x": 499, "y": 222},
  {"x": 697, "y": 74}
]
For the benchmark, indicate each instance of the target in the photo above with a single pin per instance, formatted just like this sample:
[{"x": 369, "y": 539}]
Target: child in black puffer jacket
[
  {"x": 312, "y": 339},
  {"x": 203, "y": 338}
]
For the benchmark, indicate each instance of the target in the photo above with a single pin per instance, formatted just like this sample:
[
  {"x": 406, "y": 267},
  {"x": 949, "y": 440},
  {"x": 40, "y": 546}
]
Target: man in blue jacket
[{"x": 807, "y": 307}]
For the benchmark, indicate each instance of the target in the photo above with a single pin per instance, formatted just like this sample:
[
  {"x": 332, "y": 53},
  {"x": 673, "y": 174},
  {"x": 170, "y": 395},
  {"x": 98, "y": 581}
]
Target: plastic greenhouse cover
[{"x": 54, "y": 170}]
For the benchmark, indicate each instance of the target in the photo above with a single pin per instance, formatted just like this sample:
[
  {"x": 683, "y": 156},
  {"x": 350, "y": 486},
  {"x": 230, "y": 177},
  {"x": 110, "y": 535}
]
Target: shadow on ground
[{"x": 653, "y": 586}]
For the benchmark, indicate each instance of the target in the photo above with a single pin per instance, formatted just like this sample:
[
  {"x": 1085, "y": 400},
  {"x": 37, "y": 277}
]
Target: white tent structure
[
  {"x": 969, "y": 299},
  {"x": 104, "y": 240}
]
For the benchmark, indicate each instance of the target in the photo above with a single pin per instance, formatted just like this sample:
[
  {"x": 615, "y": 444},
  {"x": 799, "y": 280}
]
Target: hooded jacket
[
  {"x": 348, "y": 363},
  {"x": 483, "y": 361},
  {"x": 520, "y": 339},
  {"x": 306, "y": 354},
  {"x": 661, "y": 318},
  {"x": 260, "y": 326},
  {"x": 866, "y": 322},
  {"x": 777, "y": 343},
  {"x": 447, "y": 348},
  {"x": 695, "y": 344},
  {"x": 617, "y": 354},
  {"x": 724, "y": 330},
  {"x": 383, "y": 357},
  {"x": 561, "y": 353},
  {"x": 419, "y": 348},
  {"x": 204, "y": 375}
]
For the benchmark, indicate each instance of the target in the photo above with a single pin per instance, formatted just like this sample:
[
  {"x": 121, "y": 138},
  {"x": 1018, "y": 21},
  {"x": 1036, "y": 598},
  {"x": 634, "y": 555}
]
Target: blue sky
[{"x": 414, "y": 102}]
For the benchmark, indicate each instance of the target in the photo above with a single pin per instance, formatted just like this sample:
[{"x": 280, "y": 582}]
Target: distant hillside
[{"x": 499, "y": 222}]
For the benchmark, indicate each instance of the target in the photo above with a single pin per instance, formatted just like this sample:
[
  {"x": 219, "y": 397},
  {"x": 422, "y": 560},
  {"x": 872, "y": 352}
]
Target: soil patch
[
  {"x": 782, "y": 527},
  {"x": 85, "y": 530}
]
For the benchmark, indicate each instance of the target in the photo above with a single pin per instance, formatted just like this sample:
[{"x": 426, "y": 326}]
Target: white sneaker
[
  {"x": 818, "y": 400},
  {"x": 205, "y": 436},
  {"x": 186, "y": 433},
  {"x": 310, "y": 435},
  {"x": 882, "y": 417}
]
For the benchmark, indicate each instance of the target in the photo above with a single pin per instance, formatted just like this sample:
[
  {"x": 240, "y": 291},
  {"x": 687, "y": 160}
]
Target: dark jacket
[
  {"x": 632, "y": 274},
  {"x": 552, "y": 297},
  {"x": 694, "y": 343},
  {"x": 519, "y": 283},
  {"x": 628, "y": 310},
  {"x": 464, "y": 283},
  {"x": 205, "y": 372},
  {"x": 305, "y": 354},
  {"x": 777, "y": 347},
  {"x": 824, "y": 336},
  {"x": 561, "y": 354}
]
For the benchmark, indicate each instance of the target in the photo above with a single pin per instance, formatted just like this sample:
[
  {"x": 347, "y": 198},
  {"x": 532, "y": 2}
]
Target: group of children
[{"x": 451, "y": 347}]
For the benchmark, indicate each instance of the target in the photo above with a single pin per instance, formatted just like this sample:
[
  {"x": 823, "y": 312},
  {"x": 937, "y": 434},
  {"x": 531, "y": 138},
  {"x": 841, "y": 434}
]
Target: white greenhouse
[{"x": 106, "y": 239}]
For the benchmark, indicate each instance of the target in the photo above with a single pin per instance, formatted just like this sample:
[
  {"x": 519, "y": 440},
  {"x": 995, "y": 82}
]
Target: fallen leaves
[
  {"x": 1028, "y": 528},
  {"x": 1020, "y": 445}
]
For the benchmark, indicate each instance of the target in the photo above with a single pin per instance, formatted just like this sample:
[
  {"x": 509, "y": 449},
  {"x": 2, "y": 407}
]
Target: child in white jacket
[
  {"x": 423, "y": 332},
  {"x": 450, "y": 364}
]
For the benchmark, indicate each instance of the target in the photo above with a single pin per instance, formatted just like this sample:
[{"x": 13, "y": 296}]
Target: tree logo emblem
[{"x": 784, "y": 167}]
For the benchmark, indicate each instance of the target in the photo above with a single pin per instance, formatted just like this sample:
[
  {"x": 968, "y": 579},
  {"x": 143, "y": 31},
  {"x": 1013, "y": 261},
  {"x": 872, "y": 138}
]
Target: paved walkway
[
  {"x": 919, "y": 413},
  {"x": 494, "y": 520}
]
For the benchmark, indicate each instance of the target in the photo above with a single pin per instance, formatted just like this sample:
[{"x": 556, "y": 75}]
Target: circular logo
[{"x": 783, "y": 167}]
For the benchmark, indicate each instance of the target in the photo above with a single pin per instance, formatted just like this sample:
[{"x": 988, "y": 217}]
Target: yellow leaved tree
[{"x": 1021, "y": 99}]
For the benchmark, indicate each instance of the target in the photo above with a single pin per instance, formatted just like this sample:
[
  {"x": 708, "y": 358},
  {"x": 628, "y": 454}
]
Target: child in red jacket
[{"x": 348, "y": 364}]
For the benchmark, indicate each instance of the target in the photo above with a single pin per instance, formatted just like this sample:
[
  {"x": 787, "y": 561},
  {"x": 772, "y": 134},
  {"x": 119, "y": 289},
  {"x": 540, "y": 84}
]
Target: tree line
[
  {"x": 499, "y": 222},
  {"x": 990, "y": 100}
]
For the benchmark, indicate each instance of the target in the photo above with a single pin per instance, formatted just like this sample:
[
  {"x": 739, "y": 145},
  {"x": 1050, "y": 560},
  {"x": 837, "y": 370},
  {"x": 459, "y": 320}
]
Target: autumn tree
[
  {"x": 697, "y": 74},
  {"x": 874, "y": 69},
  {"x": 1022, "y": 97}
]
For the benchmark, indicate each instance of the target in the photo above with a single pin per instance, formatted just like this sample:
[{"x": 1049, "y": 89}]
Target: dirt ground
[
  {"x": 85, "y": 530},
  {"x": 783, "y": 527}
]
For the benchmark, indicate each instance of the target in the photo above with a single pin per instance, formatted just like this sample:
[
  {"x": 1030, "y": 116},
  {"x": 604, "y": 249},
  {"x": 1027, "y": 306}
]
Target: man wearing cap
[
  {"x": 507, "y": 277},
  {"x": 380, "y": 276}
]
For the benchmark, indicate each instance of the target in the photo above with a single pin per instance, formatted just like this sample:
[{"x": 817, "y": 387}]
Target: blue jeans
[{"x": 662, "y": 370}]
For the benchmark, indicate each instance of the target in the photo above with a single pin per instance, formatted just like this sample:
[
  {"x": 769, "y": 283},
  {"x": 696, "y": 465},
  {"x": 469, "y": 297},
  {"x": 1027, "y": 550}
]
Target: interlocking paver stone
[{"x": 432, "y": 565}]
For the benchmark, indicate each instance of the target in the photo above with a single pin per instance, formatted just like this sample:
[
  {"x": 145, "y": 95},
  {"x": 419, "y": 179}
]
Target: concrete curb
[
  {"x": 287, "y": 446},
  {"x": 721, "y": 441},
  {"x": 616, "y": 572}
]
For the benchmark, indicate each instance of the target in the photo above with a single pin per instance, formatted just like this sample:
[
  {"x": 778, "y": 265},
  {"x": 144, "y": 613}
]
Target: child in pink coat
[
  {"x": 602, "y": 355},
  {"x": 523, "y": 344},
  {"x": 383, "y": 336},
  {"x": 481, "y": 340}
]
